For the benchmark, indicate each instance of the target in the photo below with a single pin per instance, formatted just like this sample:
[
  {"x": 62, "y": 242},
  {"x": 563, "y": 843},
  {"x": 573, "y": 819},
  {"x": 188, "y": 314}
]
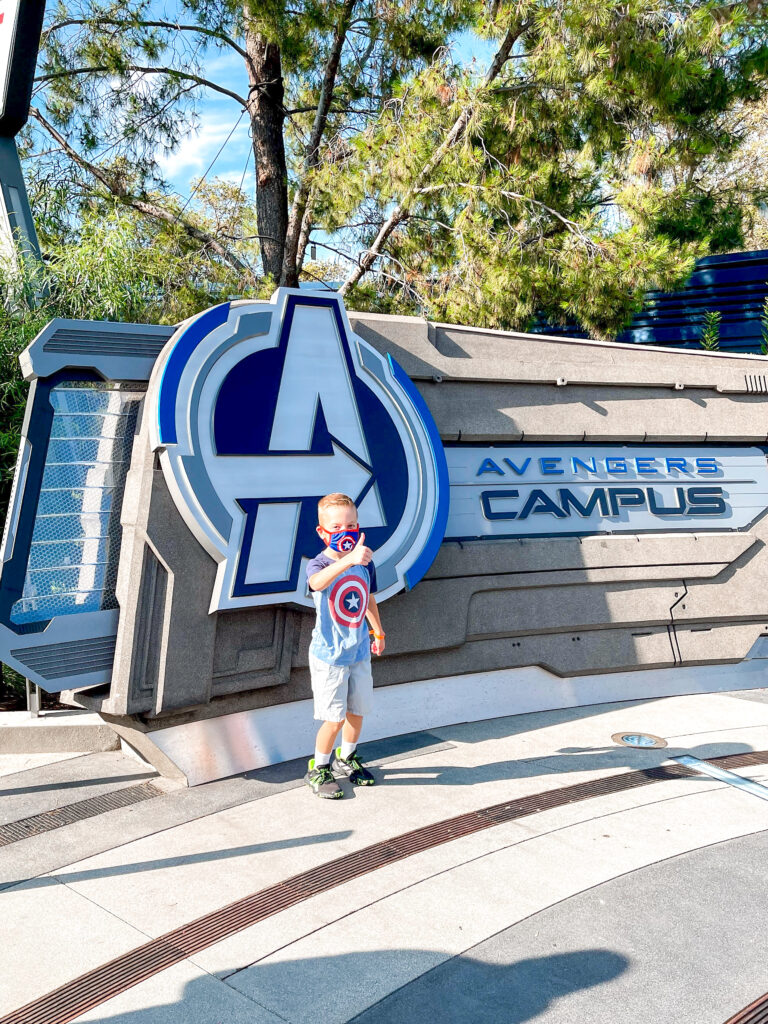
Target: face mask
[{"x": 343, "y": 542}]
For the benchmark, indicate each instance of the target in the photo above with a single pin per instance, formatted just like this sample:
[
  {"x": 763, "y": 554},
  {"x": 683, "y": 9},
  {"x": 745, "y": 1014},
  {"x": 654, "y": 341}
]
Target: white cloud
[
  {"x": 235, "y": 177},
  {"x": 198, "y": 149}
]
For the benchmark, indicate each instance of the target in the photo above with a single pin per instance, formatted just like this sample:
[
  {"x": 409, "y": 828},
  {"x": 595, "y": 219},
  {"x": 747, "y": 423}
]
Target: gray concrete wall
[{"x": 572, "y": 605}]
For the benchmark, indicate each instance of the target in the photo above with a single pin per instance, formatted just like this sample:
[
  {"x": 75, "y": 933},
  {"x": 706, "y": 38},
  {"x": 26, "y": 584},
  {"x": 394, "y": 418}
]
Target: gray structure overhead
[{"x": 21, "y": 23}]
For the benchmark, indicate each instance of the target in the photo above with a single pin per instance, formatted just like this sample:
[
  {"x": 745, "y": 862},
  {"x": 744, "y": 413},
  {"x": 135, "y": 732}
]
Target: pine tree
[{"x": 581, "y": 167}]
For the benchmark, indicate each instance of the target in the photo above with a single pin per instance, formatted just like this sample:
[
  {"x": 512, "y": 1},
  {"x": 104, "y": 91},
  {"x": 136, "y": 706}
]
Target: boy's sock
[
  {"x": 347, "y": 748},
  {"x": 321, "y": 759}
]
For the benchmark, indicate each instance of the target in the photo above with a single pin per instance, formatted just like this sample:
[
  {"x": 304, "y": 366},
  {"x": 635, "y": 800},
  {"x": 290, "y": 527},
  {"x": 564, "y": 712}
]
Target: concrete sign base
[{"x": 214, "y": 748}]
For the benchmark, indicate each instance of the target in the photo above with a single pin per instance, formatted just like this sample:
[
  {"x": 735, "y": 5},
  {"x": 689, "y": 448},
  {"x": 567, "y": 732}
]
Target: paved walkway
[{"x": 630, "y": 902}]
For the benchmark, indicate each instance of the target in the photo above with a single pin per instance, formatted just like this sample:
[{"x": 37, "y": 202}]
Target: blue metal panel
[{"x": 734, "y": 284}]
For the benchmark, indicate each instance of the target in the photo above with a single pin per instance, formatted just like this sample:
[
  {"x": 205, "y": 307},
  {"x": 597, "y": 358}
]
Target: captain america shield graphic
[{"x": 349, "y": 601}]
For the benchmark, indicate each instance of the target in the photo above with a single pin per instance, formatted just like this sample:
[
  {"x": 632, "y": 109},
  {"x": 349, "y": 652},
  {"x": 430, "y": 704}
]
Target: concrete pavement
[{"x": 626, "y": 900}]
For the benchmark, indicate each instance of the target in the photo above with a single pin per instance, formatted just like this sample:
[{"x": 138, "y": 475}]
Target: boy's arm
[
  {"x": 359, "y": 555},
  {"x": 374, "y": 618}
]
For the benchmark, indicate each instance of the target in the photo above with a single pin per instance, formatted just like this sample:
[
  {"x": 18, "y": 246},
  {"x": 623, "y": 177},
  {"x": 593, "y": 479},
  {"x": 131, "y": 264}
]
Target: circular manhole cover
[{"x": 642, "y": 740}]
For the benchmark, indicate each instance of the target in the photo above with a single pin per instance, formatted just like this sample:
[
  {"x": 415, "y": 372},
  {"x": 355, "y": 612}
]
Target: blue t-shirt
[{"x": 340, "y": 636}]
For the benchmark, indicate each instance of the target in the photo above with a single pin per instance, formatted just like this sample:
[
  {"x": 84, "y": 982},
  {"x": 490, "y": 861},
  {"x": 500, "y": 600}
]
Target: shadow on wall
[{"x": 333, "y": 988}]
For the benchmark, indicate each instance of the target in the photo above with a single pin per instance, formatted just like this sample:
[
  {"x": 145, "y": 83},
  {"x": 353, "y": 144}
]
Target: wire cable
[{"x": 210, "y": 165}]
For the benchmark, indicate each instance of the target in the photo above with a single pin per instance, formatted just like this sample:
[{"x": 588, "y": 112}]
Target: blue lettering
[
  {"x": 489, "y": 466},
  {"x": 616, "y": 465},
  {"x": 708, "y": 465},
  {"x": 681, "y": 464},
  {"x": 539, "y": 503},
  {"x": 706, "y": 501},
  {"x": 518, "y": 469},
  {"x": 589, "y": 466},
  {"x": 619, "y": 496},
  {"x": 486, "y": 497},
  {"x": 657, "y": 509},
  {"x": 549, "y": 465},
  {"x": 567, "y": 499},
  {"x": 646, "y": 465}
]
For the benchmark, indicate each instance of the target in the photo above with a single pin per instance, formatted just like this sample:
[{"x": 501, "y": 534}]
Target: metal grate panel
[
  {"x": 97, "y": 986},
  {"x": 46, "y": 821},
  {"x": 72, "y": 563},
  {"x": 57, "y": 661},
  {"x": 94, "y": 342}
]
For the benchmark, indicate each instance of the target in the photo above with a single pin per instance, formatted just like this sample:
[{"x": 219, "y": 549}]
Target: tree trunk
[{"x": 266, "y": 111}]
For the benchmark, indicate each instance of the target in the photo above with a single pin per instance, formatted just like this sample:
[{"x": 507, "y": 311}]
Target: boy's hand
[
  {"x": 360, "y": 554},
  {"x": 378, "y": 645}
]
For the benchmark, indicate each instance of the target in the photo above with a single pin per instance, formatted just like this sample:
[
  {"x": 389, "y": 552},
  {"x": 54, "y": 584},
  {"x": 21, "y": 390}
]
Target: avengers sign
[
  {"x": 580, "y": 489},
  {"x": 259, "y": 409}
]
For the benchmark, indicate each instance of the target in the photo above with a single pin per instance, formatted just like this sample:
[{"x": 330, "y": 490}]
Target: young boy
[{"x": 342, "y": 580}]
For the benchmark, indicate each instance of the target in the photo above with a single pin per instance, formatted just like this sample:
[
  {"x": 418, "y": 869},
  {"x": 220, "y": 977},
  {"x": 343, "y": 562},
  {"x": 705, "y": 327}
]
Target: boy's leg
[
  {"x": 350, "y": 733},
  {"x": 329, "y": 692},
  {"x": 358, "y": 704},
  {"x": 326, "y": 737}
]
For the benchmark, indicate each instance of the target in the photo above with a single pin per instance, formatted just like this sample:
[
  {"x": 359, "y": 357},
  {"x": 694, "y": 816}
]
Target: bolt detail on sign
[{"x": 259, "y": 409}]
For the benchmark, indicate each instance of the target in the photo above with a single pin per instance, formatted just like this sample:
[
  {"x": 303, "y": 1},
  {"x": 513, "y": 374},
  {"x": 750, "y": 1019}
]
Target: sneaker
[
  {"x": 321, "y": 781},
  {"x": 353, "y": 768}
]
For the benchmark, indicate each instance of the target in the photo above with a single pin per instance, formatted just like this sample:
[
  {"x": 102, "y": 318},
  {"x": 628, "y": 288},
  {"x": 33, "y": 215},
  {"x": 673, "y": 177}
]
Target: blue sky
[{"x": 218, "y": 116}]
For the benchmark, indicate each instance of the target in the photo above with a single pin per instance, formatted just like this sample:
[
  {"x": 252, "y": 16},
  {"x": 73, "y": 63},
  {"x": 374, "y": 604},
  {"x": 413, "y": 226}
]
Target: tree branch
[
  {"x": 144, "y": 206},
  {"x": 120, "y": 23},
  {"x": 570, "y": 225},
  {"x": 171, "y": 72},
  {"x": 297, "y": 219},
  {"x": 400, "y": 211}
]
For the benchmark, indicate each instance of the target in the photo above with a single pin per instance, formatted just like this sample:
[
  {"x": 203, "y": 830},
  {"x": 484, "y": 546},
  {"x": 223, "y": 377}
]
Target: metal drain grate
[
  {"x": 755, "y": 1013},
  {"x": 99, "y": 985},
  {"x": 46, "y": 821}
]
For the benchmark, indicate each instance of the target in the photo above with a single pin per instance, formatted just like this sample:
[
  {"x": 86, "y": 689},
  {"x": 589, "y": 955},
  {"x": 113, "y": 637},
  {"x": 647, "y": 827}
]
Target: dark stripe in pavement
[
  {"x": 38, "y": 855},
  {"x": 95, "y": 987},
  {"x": 755, "y": 1013}
]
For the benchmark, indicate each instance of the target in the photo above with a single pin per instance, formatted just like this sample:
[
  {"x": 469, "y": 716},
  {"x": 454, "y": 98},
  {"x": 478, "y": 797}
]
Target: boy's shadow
[{"x": 455, "y": 991}]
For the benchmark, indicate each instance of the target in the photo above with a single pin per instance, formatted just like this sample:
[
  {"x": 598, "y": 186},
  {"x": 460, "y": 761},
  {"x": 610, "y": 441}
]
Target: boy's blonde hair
[{"x": 332, "y": 500}]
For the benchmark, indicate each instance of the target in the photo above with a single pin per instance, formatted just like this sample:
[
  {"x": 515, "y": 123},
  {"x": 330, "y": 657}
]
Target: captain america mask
[{"x": 343, "y": 541}]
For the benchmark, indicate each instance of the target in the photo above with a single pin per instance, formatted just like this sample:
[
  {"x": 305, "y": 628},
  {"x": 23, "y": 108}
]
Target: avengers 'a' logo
[{"x": 261, "y": 409}]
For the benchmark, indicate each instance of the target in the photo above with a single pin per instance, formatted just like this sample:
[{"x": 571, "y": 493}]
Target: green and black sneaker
[
  {"x": 353, "y": 768},
  {"x": 321, "y": 781}
]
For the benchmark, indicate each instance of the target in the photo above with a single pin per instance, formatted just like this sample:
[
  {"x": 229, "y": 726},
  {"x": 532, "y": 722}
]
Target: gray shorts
[{"x": 338, "y": 689}]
